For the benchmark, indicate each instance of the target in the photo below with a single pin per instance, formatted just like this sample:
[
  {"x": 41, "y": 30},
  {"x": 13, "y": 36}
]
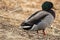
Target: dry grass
[{"x": 13, "y": 12}]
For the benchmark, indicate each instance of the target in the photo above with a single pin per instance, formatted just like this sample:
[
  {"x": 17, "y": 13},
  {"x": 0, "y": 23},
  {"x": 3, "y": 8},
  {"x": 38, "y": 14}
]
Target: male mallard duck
[{"x": 40, "y": 19}]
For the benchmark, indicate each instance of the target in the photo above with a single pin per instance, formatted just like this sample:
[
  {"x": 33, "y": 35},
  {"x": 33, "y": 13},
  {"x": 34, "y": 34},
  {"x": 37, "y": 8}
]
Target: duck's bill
[{"x": 54, "y": 8}]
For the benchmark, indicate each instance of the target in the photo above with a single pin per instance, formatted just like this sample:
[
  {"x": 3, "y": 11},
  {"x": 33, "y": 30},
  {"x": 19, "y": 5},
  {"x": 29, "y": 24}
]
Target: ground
[{"x": 14, "y": 12}]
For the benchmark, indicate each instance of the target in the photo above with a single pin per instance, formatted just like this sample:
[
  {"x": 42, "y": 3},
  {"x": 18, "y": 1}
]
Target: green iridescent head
[{"x": 47, "y": 5}]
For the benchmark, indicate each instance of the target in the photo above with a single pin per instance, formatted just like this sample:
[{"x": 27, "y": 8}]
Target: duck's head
[{"x": 47, "y": 5}]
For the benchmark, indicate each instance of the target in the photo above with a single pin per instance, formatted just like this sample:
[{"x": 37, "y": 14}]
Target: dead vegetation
[{"x": 13, "y": 12}]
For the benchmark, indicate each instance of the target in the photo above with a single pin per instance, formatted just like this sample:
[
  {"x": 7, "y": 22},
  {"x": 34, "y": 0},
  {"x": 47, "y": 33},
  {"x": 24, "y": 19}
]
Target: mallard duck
[{"x": 40, "y": 20}]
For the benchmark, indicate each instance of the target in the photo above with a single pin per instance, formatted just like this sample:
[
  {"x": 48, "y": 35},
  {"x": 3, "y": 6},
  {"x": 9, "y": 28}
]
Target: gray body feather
[{"x": 45, "y": 22}]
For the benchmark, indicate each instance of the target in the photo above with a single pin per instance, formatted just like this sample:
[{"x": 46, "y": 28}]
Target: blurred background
[{"x": 14, "y": 12}]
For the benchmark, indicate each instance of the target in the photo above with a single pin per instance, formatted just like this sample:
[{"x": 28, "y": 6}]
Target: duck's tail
[{"x": 26, "y": 26}]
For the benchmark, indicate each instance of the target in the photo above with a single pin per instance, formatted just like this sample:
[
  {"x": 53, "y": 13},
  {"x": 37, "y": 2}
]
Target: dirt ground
[
  {"x": 9, "y": 32},
  {"x": 14, "y": 12}
]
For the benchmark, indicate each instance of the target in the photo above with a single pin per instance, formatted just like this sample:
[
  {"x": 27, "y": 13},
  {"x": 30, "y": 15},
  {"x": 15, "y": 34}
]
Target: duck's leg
[
  {"x": 38, "y": 34},
  {"x": 44, "y": 32},
  {"x": 37, "y": 31}
]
